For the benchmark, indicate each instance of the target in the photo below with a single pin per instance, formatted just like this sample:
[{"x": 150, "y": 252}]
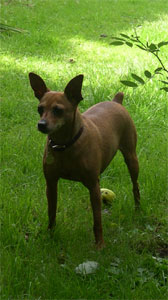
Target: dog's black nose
[{"x": 42, "y": 126}]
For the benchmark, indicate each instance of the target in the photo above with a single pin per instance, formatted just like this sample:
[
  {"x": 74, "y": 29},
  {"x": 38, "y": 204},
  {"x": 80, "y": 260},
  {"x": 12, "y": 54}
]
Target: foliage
[{"x": 152, "y": 48}]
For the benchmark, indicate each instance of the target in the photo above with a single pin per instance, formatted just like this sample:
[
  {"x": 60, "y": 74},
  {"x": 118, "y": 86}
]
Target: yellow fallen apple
[{"x": 107, "y": 196}]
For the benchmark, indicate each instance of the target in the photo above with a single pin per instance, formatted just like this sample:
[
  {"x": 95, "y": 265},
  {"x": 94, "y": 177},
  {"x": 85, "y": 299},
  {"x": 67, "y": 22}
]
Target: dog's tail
[{"x": 118, "y": 98}]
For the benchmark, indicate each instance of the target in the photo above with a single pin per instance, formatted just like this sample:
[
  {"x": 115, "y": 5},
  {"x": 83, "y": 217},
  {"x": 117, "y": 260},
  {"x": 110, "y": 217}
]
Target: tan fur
[{"x": 107, "y": 127}]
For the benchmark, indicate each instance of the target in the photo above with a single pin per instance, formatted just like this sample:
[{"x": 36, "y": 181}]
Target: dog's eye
[
  {"x": 40, "y": 110},
  {"x": 57, "y": 111}
]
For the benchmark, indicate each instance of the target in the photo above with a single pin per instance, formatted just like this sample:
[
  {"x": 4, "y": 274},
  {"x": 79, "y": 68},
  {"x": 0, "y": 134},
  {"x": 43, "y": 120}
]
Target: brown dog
[{"x": 80, "y": 146}]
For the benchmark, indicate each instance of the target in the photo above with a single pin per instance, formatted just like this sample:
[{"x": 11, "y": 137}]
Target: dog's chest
[
  {"x": 64, "y": 165},
  {"x": 69, "y": 169}
]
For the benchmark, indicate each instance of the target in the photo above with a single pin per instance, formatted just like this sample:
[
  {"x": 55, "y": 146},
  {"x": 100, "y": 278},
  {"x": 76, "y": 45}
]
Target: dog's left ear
[
  {"x": 73, "y": 90},
  {"x": 38, "y": 85}
]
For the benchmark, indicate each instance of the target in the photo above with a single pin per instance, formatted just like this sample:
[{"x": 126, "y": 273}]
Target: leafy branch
[{"x": 152, "y": 48}]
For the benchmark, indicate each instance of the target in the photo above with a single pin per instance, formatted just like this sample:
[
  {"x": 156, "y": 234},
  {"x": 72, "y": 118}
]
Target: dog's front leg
[
  {"x": 51, "y": 191},
  {"x": 95, "y": 198}
]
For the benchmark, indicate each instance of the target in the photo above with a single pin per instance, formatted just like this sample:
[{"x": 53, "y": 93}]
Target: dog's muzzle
[{"x": 42, "y": 126}]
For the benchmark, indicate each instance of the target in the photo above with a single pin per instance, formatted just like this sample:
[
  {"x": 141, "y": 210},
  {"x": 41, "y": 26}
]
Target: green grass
[{"x": 133, "y": 264}]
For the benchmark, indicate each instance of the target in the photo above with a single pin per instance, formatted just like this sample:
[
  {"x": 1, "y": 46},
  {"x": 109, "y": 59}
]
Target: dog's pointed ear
[
  {"x": 38, "y": 85},
  {"x": 73, "y": 89}
]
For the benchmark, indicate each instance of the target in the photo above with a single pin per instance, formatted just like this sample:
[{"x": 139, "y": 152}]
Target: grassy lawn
[{"x": 62, "y": 39}]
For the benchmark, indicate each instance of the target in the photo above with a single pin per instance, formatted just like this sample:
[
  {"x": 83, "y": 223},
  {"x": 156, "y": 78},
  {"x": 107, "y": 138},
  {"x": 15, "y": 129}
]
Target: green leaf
[
  {"x": 137, "y": 78},
  {"x": 161, "y": 44},
  {"x": 165, "y": 89},
  {"x": 129, "y": 44},
  {"x": 152, "y": 47},
  {"x": 164, "y": 81},
  {"x": 125, "y": 36},
  {"x": 117, "y": 43},
  {"x": 148, "y": 74},
  {"x": 158, "y": 70},
  {"x": 129, "y": 83}
]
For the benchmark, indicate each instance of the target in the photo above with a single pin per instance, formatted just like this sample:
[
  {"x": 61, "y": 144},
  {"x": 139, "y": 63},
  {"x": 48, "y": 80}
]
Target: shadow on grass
[
  {"x": 55, "y": 28},
  {"x": 58, "y": 31}
]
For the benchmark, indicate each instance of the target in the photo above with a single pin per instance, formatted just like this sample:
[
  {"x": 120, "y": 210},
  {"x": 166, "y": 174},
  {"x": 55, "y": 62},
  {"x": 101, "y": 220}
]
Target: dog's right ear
[
  {"x": 73, "y": 89},
  {"x": 38, "y": 85}
]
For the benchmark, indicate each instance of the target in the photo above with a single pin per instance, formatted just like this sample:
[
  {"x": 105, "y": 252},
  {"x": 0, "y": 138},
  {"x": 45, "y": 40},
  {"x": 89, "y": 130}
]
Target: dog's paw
[
  {"x": 100, "y": 245},
  {"x": 51, "y": 226}
]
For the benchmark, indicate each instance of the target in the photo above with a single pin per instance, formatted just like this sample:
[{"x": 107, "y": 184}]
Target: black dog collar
[{"x": 57, "y": 147}]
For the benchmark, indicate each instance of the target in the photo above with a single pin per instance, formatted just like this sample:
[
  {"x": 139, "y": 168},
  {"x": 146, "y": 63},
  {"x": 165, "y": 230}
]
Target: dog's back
[{"x": 111, "y": 123}]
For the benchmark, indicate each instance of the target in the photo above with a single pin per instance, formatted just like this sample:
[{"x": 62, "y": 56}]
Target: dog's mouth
[
  {"x": 45, "y": 131},
  {"x": 44, "y": 127}
]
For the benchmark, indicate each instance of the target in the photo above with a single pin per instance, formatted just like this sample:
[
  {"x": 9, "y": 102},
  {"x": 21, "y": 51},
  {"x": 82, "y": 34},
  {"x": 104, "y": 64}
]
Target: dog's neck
[{"x": 68, "y": 131}]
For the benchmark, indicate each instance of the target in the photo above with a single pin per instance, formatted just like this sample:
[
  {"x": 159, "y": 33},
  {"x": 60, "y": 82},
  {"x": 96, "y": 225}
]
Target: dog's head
[{"x": 56, "y": 109}]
